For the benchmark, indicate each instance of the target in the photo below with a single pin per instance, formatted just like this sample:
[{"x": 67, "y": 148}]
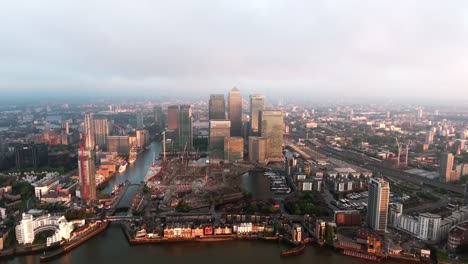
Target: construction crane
[{"x": 83, "y": 167}]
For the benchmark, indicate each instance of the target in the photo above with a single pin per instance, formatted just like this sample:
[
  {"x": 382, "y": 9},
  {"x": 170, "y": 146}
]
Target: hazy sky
[{"x": 377, "y": 48}]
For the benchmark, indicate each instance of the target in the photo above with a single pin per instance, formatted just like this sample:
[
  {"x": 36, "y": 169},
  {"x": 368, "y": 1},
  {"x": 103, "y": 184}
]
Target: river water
[{"x": 111, "y": 246}]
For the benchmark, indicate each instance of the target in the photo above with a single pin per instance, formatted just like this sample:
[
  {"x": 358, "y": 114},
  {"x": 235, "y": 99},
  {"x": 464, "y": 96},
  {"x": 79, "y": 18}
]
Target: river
[{"x": 111, "y": 246}]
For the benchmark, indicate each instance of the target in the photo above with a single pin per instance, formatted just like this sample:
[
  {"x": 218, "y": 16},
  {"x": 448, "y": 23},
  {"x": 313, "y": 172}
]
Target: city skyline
[{"x": 318, "y": 49}]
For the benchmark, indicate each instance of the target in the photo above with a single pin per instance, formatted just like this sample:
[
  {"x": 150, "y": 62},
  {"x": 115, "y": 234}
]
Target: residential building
[
  {"x": 118, "y": 144},
  {"x": 377, "y": 210},
  {"x": 446, "y": 167},
  {"x": 87, "y": 174},
  {"x": 89, "y": 131},
  {"x": 101, "y": 131}
]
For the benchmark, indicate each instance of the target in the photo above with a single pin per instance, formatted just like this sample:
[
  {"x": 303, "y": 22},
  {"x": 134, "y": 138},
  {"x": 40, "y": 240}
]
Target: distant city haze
[{"x": 302, "y": 49}]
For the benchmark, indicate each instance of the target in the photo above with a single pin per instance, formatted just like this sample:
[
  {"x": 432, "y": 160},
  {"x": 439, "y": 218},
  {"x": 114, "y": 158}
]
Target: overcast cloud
[{"x": 319, "y": 48}]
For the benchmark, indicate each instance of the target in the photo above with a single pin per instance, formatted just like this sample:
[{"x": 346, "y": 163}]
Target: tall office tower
[
  {"x": 258, "y": 149},
  {"x": 234, "y": 148},
  {"x": 430, "y": 137},
  {"x": 159, "y": 117},
  {"x": 446, "y": 167},
  {"x": 184, "y": 129},
  {"x": 172, "y": 117},
  {"x": 139, "y": 120},
  {"x": 89, "y": 131},
  {"x": 272, "y": 127},
  {"x": 101, "y": 131},
  {"x": 219, "y": 131},
  {"x": 235, "y": 112},
  {"x": 377, "y": 210},
  {"x": 257, "y": 104},
  {"x": 87, "y": 173},
  {"x": 217, "y": 107}
]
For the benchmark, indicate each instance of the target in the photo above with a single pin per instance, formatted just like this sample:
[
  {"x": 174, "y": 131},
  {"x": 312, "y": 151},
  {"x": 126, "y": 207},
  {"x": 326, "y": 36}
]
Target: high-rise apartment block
[
  {"x": 101, "y": 131},
  {"x": 446, "y": 167},
  {"x": 89, "y": 131},
  {"x": 257, "y": 104},
  {"x": 217, "y": 107},
  {"x": 235, "y": 112},
  {"x": 87, "y": 173},
  {"x": 378, "y": 200}
]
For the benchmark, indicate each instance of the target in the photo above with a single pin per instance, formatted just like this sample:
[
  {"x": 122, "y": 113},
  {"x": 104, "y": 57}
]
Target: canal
[{"x": 111, "y": 246}]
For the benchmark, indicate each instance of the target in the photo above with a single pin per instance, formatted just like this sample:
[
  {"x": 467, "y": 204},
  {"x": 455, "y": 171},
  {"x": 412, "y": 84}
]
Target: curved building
[{"x": 458, "y": 237}]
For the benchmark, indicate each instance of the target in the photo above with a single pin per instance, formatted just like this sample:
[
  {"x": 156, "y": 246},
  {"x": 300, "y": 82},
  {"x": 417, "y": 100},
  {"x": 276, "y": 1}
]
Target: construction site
[{"x": 186, "y": 184}]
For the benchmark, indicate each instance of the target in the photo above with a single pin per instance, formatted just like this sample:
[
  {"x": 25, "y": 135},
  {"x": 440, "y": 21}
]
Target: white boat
[
  {"x": 131, "y": 159},
  {"x": 122, "y": 168},
  {"x": 153, "y": 170}
]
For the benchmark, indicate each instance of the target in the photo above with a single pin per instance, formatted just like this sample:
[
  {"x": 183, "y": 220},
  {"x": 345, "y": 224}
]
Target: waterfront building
[
  {"x": 258, "y": 149},
  {"x": 101, "y": 131},
  {"x": 319, "y": 233},
  {"x": 377, "y": 211},
  {"x": 87, "y": 175},
  {"x": 29, "y": 226},
  {"x": 142, "y": 138},
  {"x": 219, "y": 131},
  {"x": 296, "y": 233},
  {"x": 184, "y": 129},
  {"x": 89, "y": 131},
  {"x": 271, "y": 127},
  {"x": 25, "y": 230},
  {"x": 172, "y": 117},
  {"x": 234, "y": 149},
  {"x": 235, "y": 112},
  {"x": 446, "y": 167},
  {"x": 217, "y": 107},
  {"x": 257, "y": 104},
  {"x": 348, "y": 218},
  {"x": 118, "y": 144}
]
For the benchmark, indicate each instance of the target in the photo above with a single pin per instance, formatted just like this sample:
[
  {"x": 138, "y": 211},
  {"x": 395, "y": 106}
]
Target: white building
[
  {"x": 244, "y": 228},
  {"x": 29, "y": 227},
  {"x": 25, "y": 230},
  {"x": 429, "y": 225},
  {"x": 44, "y": 187}
]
